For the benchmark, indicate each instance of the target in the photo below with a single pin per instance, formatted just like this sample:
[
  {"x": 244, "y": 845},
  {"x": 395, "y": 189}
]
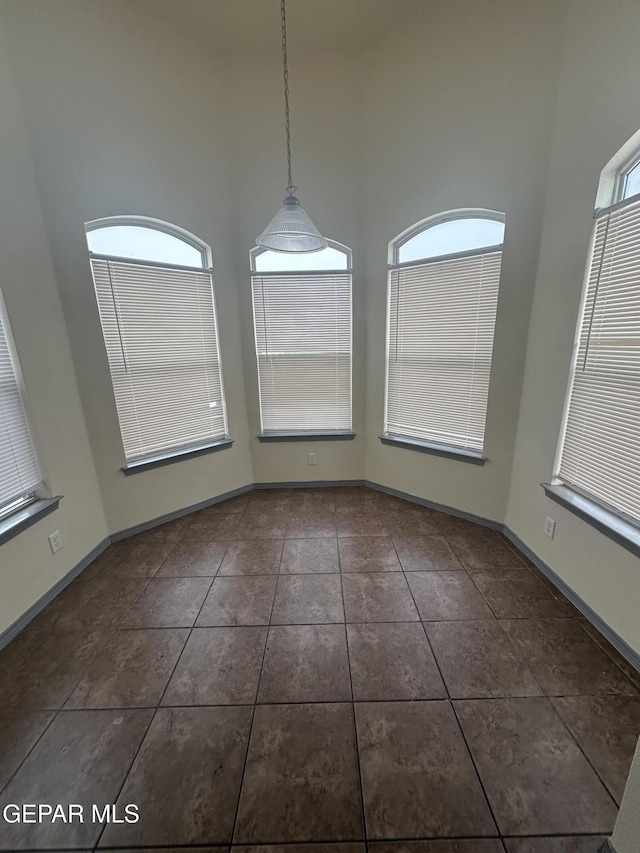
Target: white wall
[
  {"x": 125, "y": 116},
  {"x": 598, "y": 110},
  {"x": 27, "y": 567},
  {"x": 459, "y": 110}
]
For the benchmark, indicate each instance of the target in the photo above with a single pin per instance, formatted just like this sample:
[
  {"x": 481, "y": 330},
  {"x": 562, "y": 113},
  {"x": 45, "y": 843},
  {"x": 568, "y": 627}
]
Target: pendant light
[{"x": 291, "y": 229}]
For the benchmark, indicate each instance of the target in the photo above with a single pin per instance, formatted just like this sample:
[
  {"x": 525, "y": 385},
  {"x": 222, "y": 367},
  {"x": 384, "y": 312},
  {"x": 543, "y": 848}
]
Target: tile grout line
[
  {"x": 604, "y": 649},
  {"x": 579, "y": 746},
  {"x": 157, "y": 707},
  {"x": 255, "y": 706},
  {"x": 56, "y": 711},
  {"x": 477, "y": 772},
  {"x": 525, "y": 660},
  {"x": 353, "y": 709},
  {"x": 449, "y": 700},
  {"x": 424, "y": 630},
  {"x": 36, "y": 742}
]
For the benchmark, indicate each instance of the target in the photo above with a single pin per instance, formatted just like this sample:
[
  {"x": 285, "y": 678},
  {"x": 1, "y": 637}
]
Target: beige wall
[
  {"x": 27, "y": 567},
  {"x": 598, "y": 110},
  {"x": 459, "y": 109}
]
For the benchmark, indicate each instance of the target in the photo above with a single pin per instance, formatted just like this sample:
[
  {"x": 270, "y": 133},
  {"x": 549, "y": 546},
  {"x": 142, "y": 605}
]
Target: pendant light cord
[{"x": 290, "y": 187}]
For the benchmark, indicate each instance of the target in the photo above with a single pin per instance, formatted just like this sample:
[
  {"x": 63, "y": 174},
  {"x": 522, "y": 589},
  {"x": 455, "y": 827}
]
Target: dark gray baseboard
[
  {"x": 597, "y": 621},
  {"x": 170, "y": 516},
  {"x": 459, "y": 513},
  {"x": 616, "y": 641},
  {"x": 14, "y": 629},
  {"x": 309, "y": 484}
]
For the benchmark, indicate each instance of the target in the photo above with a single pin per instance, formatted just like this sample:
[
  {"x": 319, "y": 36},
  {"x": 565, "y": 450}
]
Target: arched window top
[
  {"x": 334, "y": 257},
  {"x": 620, "y": 178},
  {"x": 142, "y": 239},
  {"x": 453, "y": 233}
]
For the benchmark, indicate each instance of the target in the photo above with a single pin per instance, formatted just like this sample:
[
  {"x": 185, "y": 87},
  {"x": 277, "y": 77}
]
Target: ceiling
[{"x": 233, "y": 25}]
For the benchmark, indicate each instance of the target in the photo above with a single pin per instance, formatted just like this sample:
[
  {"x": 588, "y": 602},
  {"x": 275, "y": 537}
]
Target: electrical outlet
[
  {"x": 55, "y": 541},
  {"x": 313, "y": 459},
  {"x": 549, "y": 527}
]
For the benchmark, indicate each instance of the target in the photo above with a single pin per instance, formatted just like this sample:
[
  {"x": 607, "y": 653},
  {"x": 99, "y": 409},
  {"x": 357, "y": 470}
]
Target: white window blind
[
  {"x": 19, "y": 470},
  {"x": 441, "y": 321},
  {"x": 600, "y": 446},
  {"x": 160, "y": 331},
  {"x": 303, "y": 343}
]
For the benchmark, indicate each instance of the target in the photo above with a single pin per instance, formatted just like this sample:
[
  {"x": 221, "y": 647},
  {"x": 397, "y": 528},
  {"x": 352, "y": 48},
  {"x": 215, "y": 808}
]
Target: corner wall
[
  {"x": 598, "y": 110},
  {"x": 28, "y": 569},
  {"x": 126, "y": 116}
]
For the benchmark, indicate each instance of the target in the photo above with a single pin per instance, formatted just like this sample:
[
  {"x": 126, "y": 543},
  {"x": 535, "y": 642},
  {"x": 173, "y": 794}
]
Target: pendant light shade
[{"x": 291, "y": 230}]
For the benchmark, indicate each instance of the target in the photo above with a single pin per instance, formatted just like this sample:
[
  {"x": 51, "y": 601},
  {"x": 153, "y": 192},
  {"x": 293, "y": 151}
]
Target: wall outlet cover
[{"x": 55, "y": 541}]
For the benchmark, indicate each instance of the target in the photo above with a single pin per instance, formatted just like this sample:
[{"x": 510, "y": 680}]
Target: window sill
[
  {"x": 175, "y": 456},
  {"x": 624, "y": 532},
  {"x": 23, "y": 518},
  {"x": 457, "y": 453},
  {"x": 308, "y": 435}
]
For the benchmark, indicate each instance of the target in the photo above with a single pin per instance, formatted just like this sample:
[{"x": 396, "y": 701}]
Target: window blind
[
  {"x": 600, "y": 447},
  {"x": 303, "y": 343},
  {"x": 160, "y": 331},
  {"x": 440, "y": 339},
  {"x": 19, "y": 470}
]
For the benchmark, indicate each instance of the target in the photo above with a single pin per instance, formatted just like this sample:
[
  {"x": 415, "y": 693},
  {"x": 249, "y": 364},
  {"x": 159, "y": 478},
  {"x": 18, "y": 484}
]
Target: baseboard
[
  {"x": 22, "y": 621},
  {"x": 309, "y": 484},
  {"x": 606, "y": 630},
  {"x": 459, "y": 513},
  {"x": 616, "y": 641},
  {"x": 170, "y": 516},
  {"x": 607, "y": 846}
]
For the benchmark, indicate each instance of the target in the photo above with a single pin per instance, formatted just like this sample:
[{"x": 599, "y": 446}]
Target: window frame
[
  {"x": 152, "y": 224},
  {"x": 411, "y": 442},
  {"x": 620, "y": 181},
  {"x": 319, "y": 434},
  {"x": 438, "y": 219},
  {"x": 182, "y": 452}
]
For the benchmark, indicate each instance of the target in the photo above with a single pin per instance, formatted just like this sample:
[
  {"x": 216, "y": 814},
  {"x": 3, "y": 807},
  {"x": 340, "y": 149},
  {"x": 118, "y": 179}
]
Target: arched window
[
  {"x": 599, "y": 448},
  {"x": 444, "y": 275},
  {"x": 302, "y": 322},
  {"x": 154, "y": 288}
]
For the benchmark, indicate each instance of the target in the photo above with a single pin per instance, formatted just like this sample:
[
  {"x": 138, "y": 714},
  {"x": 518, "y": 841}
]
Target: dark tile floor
[{"x": 335, "y": 666}]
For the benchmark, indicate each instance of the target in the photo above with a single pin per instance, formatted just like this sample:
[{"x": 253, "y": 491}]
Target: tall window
[
  {"x": 302, "y": 320},
  {"x": 19, "y": 471},
  {"x": 443, "y": 293},
  {"x": 599, "y": 450},
  {"x": 154, "y": 289}
]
